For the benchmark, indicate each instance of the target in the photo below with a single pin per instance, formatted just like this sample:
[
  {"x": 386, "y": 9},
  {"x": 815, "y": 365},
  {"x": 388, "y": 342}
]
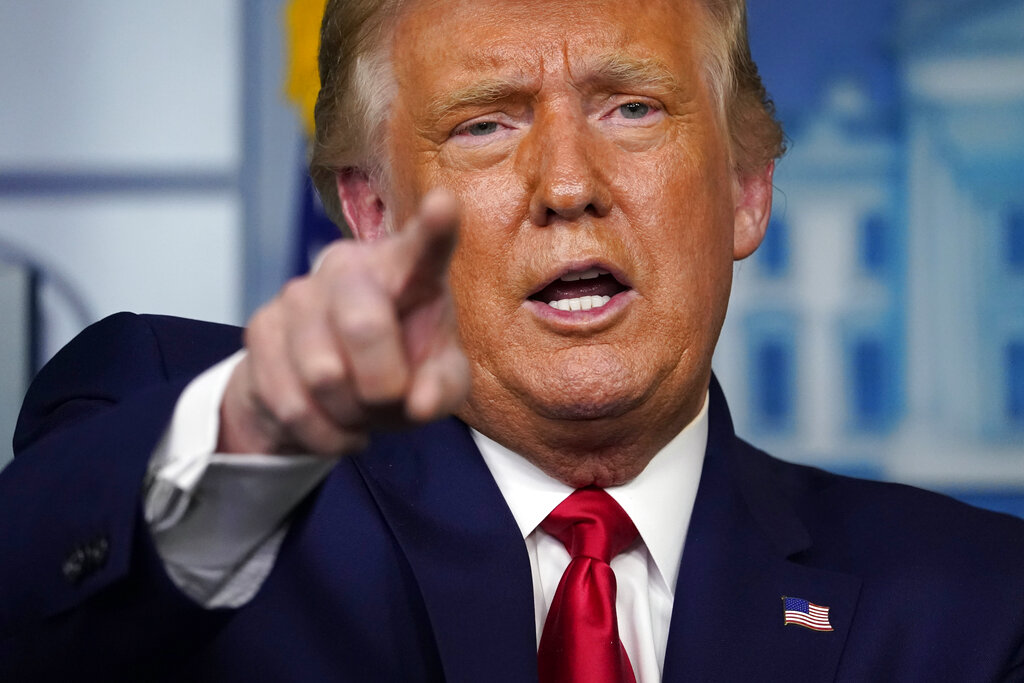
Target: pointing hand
[{"x": 368, "y": 340}]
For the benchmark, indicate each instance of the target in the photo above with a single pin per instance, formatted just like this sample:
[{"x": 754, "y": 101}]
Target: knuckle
[
  {"x": 291, "y": 411},
  {"x": 340, "y": 256},
  {"x": 259, "y": 324},
  {"x": 384, "y": 386},
  {"x": 363, "y": 325},
  {"x": 323, "y": 373},
  {"x": 295, "y": 292}
]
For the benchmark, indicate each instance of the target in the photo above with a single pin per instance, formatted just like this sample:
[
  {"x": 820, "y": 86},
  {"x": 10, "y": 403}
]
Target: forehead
[{"x": 440, "y": 42}]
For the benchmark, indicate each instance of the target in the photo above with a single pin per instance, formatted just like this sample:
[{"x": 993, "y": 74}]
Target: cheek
[
  {"x": 680, "y": 212},
  {"x": 476, "y": 278},
  {"x": 468, "y": 273},
  {"x": 488, "y": 219},
  {"x": 407, "y": 179},
  {"x": 465, "y": 283},
  {"x": 492, "y": 211},
  {"x": 680, "y": 208},
  {"x": 491, "y": 199}
]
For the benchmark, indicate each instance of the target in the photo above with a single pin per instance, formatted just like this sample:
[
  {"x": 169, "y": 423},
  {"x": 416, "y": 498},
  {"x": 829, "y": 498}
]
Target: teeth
[
  {"x": 583, "y": 275},
  {"x": 582, "y": 303}
]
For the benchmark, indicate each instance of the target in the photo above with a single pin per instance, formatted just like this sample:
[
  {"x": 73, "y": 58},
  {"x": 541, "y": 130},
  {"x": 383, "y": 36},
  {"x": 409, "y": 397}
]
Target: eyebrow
[
  {"x": 614, "y": 70},
  {"x": 617, "y": 70},
  {"x": 479, "y": 93}
]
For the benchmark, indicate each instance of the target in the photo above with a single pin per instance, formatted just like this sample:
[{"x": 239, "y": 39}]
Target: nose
[{"x": 565, "y": 179}]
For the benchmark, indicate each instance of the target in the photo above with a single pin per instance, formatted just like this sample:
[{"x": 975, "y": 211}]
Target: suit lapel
[
  {"x": 464, "y": 547},
  {"x": 740, "y": 559}
]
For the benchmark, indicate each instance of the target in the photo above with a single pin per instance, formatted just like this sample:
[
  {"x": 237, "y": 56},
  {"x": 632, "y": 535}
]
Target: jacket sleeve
[{"x": 81, "y": 586}]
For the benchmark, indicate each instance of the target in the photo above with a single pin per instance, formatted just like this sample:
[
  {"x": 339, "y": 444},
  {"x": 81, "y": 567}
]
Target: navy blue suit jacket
[{"x": 406, "y": 564}]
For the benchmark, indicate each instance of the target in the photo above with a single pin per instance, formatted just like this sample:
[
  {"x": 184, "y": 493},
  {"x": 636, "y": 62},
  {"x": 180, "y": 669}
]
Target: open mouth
[{"x": 580, "y": 290}]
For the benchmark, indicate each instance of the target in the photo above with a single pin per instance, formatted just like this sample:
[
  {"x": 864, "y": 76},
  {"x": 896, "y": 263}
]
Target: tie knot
[{"x": 589, "y": 523}]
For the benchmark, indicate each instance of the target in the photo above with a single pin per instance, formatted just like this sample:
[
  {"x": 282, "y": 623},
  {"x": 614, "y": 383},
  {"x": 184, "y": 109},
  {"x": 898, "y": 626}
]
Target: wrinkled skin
[
  {"x": 555, "y": 173},
  {"x": 564, "y": 136}
]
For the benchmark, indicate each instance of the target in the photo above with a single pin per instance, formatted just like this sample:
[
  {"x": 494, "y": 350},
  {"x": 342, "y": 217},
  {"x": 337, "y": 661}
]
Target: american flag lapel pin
[{"x": 800, "y": 612}]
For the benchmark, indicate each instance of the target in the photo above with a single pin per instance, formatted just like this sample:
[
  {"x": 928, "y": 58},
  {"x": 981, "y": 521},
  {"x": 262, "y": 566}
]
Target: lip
[
  {"x": 576, "y": 266},
  {"x": 593, "y": 320}
]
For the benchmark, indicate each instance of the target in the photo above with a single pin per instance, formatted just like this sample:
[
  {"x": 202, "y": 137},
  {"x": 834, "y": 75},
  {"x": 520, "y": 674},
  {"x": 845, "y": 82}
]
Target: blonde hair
[{"x": 356, "y": 88}]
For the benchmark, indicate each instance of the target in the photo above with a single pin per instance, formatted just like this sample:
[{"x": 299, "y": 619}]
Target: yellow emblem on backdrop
[{"x": 302, "y": 42}]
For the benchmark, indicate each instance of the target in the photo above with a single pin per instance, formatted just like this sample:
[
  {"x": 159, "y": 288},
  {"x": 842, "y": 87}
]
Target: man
[{"x": 605, "y": 163}]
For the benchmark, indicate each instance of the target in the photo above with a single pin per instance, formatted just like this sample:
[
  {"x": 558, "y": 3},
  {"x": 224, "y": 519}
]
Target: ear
[
  {"x": 361, "y": 203},
  {"x": 753, "y": 198}
]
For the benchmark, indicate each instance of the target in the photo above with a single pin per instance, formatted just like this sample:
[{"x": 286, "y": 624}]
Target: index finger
[{"x": 423, "y": 250}]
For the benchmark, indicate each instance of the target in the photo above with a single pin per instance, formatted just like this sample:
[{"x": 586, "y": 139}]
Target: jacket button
[
  {"x": 96, "y": 552},
  {"x": 85, "y": 559},
  {"x": 73, "y": 566}
]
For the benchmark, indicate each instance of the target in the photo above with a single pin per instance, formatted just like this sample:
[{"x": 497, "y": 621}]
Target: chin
[
  {"x": 587, "y": 392},
  {"x": 578, "y": 408},
  {"x": 594, "y": 475}
]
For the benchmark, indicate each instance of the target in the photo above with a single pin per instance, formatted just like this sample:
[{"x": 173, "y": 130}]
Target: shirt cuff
[
  {"x": 184, "y": 452},
  {"x": 218, "y": 519}
]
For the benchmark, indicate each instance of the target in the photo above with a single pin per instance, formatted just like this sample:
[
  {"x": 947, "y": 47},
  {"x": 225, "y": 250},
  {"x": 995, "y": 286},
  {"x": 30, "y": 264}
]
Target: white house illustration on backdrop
[{"x": 880, "y": 328}]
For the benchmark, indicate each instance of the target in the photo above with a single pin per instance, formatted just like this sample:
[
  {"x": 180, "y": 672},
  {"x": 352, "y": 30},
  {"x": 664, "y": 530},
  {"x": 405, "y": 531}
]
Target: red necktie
[{"x": 580, "y": 642}]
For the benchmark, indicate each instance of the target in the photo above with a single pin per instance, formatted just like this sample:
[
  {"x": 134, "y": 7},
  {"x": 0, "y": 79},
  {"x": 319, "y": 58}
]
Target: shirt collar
[{"x": 659, "y": 500}]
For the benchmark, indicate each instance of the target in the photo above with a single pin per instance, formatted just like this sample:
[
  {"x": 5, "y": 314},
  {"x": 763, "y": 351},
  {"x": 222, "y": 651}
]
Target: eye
[
  {"x": 634, "y": 110},
  {"x": 479, "y": 128}
]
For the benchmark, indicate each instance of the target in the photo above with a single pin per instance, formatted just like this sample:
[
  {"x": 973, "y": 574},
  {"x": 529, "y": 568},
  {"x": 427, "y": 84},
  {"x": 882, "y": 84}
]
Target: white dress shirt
[
  {"x": 659, "y": 501},
  {"x": 218, "y": 519}
]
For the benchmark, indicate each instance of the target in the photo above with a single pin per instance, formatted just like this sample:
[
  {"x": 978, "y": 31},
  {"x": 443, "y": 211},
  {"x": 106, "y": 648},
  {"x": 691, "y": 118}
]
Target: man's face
[{"x": 580, "y": 139}]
